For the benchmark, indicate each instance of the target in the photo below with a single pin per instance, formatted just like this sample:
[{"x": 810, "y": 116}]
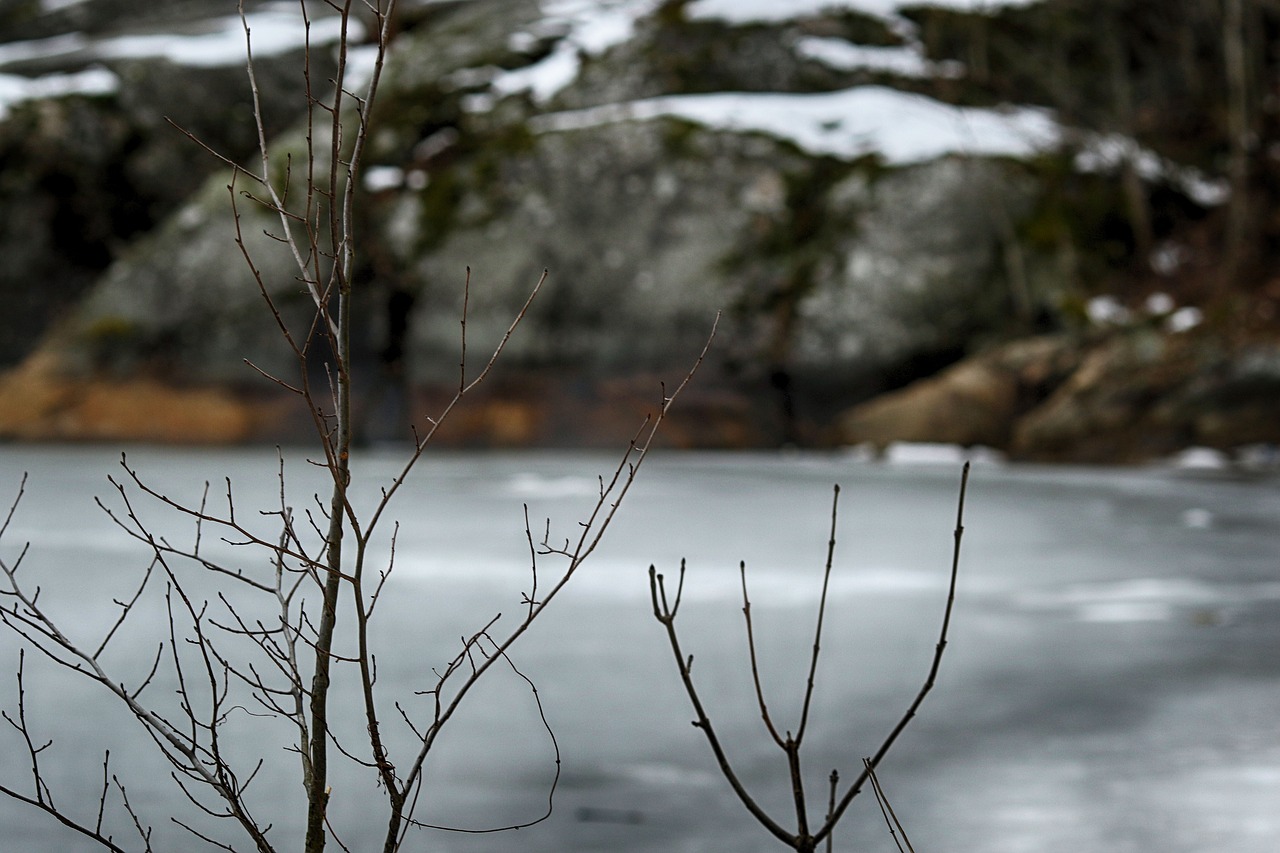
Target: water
[{"x": 1111, "y": 683}]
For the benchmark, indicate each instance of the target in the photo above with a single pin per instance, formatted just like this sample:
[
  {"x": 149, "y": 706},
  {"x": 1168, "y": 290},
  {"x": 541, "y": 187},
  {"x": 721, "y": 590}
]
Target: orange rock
[{"x": 38, "y": 403}]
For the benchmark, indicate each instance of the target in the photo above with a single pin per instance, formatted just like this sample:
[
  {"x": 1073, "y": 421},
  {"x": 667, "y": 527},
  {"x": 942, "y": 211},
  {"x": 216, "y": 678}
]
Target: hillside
[{"x": 1041, "y": 226}]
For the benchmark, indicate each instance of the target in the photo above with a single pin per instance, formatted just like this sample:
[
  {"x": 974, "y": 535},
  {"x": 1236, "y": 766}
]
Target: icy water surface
[{"x": 1112, "y": 681}]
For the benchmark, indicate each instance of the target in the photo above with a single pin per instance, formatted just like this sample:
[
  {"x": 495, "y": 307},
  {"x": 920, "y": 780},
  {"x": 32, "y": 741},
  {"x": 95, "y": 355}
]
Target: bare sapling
[
  {"x": 286, "y": 628},
  {"x": 804, "y": 835}
]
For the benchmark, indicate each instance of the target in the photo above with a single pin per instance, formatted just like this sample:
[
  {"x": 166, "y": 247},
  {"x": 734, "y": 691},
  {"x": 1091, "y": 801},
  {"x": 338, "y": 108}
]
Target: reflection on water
[{"x": 1111, "y": 683}]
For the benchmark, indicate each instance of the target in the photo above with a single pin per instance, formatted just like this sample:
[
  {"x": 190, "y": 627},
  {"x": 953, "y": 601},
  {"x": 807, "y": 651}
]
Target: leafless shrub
[
  {"x": 265, "y": 642},
  {"x": 805, "y": 837}
]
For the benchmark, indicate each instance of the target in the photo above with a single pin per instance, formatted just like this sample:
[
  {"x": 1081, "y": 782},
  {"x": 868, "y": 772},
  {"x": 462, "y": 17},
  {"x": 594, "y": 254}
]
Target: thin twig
[
  {"x": 890, "y": 817},
  {"x": 930, "y": 679}
]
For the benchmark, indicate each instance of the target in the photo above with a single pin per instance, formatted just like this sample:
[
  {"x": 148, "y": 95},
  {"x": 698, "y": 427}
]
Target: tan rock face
[
  {"x": 36, "y": 403},
  {"x": 976, "y": 402},
  {"x": 1122, "y": 398},
  {"x": 972, "y": 403}
]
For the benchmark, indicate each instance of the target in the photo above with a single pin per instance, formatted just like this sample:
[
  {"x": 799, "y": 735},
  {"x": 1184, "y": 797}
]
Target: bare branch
[
  {"x": 930, "y": 679},
  {"x": 665, "y": 613},
  {"x": 822, "y": 610},
  {"x": 751, "y": 653},
  {"x": 890, "y": 817},
  {"x": 801, "y": 840}
]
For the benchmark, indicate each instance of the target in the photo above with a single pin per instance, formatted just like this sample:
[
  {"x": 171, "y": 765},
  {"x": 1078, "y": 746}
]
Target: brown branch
[
  {"x": 551, "y": 791},
  {"x": 834, "y": 781},
  {"x": 592, "y": 531},
  {"x": 890, "y": 817},
  {"x": 421, "y": 443},
  {"x": 751, "y": 654},
  {"x": 43, "y": 796},
  {"x": 822, "y": 610},
  {"x": 64, "y": 819},
  {"x": 930, "y": 679},
  {"x": 665, "y": 612}
]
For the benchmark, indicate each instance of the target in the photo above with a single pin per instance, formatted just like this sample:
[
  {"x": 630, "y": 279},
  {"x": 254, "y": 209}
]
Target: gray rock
[
  {"x": 827, "y": 271},
  {"x": 82, "y": 175}
]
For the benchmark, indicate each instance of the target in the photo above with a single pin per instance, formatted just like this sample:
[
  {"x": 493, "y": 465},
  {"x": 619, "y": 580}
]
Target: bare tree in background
[
  {"x": 807, "y": 835},
  {"x": 1239, "y": 139},
  {"x": 267, "y": 641}
]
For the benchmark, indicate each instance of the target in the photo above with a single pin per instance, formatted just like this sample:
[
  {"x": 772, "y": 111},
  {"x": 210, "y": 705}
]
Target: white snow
[
  {"x": 902, "y": 127},
  {"x": 1107, "y": 311},
  {"x": 531, "y": 485},
  {"x": 379, "y": 178},
  {"x": 1200, "y": 458},
  {"x": 544, "y": 78},
  {"x": 21, "y": 51},
  {"x": 752, "y": 11},
  {"x": 931, "y": 453},
  {"x": 905, "y": 61},
  {"x": 1158, "y": 304},
  {"x": 1175, "y": 319},
  {"x": 591, "y": 27},
  {"x": 1184, "y": 319},
  {"x": 1168, "y": 257},
  {"x": 275, "y": 29},
  {"x": 1107, "y": 152},
  {"x": 93, "y": 81}
]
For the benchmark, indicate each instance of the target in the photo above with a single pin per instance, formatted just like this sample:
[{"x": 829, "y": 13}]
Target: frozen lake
[{"x": 1112, "y": 682}]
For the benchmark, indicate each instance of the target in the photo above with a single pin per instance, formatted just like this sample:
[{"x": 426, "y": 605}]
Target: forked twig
[
  {"x": 801, "y": 840},
  {"x": 294, "y": 642},
  {"x": 931, "y": 678},
  {"x": 890, "y": 816}
]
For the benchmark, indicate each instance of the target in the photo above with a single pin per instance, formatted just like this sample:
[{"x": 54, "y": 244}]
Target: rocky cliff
[{"x": 868, "y": 192}]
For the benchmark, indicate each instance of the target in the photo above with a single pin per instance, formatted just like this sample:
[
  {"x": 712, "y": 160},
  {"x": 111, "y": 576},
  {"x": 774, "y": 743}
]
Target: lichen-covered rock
[
  {"x": 828, "y": 272},
  {"x": 979, "y": 401},
  {"x": 514, "y": 136},
  {"x": 84, "y": 174},
  {"x": 1129, "y": 396},
  {"x": 1145, "y": 394}
]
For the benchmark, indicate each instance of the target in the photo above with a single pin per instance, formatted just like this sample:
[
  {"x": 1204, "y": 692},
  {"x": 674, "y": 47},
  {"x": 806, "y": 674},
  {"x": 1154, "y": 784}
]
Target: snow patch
[
  {"x": 591, "y": 27},
  {"x": 905, "y": 61},
  {"x": 541, "y": 486},
  {"x": 767, "y": 11},
  {"x": 379, "y": 178},
  {"x": 22, "y": 51},
  {"x": 93, "y": 81},
  {"x": 275, "y": 29},
  {"x": 1184, "y": 319},
  {"x": 1108, "y": 152},
  {"x": 901, "y": 127},
  {"x": 1158, "y": 303},
  {"x": 1201, "y": 459},
  {"x": 668, "y": 776},
  {"x": 926, "y": 453},
  {"x": 1107, "y": 311}
]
